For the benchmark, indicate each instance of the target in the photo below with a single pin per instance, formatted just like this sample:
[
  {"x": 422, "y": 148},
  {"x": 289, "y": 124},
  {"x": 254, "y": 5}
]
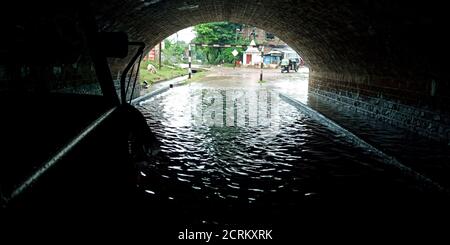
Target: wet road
[{"x": 231, "y": 143}]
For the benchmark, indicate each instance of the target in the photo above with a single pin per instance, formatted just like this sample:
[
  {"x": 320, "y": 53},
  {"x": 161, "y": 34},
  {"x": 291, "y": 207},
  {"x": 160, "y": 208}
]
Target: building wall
[
  {"x": 261, "y": 37},
  {"x": 255, "y": 59}
]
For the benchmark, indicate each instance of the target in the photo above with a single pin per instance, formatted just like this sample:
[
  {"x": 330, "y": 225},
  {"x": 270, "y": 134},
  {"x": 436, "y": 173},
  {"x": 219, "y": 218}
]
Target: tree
[
  {"x": 174, "y": 52},
  {"x": 217, "y": 33}
]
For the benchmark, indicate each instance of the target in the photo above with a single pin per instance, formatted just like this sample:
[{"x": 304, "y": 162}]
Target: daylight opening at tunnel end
[
  {"x": 219, "y": 49},
  {"x": 228, "y": 64}
]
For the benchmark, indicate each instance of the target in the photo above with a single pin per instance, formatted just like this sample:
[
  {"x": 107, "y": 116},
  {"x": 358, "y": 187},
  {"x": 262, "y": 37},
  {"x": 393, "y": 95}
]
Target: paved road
[{"x": 293, "y": 83}]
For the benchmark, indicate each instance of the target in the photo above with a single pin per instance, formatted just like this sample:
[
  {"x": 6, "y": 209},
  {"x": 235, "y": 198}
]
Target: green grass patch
[{"x": 166, "y": 72}]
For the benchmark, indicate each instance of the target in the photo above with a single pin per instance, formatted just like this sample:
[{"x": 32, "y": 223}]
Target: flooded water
[
  {"x": 226, "y": 152},
  {"x": 419, "y": 153}
]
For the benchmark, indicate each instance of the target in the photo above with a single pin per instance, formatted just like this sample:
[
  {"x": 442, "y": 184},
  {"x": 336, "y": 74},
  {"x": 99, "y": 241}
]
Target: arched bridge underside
[{"x": 383, "y": 58}]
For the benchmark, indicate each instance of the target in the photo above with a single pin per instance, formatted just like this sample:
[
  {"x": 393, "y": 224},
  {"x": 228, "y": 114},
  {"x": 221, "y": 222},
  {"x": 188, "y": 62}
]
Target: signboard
[{"x": 235, "y": 52}]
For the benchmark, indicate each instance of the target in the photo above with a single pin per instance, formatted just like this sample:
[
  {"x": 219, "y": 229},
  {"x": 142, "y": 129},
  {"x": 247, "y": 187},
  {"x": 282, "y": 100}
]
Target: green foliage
[
  {"x": 218, "y": 33},
  {"x": 174, "y": 52}
]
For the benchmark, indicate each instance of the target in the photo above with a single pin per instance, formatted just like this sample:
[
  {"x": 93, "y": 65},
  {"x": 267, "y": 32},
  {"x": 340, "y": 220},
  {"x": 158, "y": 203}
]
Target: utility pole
[
  {"x": 237, "y": 31},
  {"x": 159, "y": 60},
  {"x": 262, "y": 64},
  {"x": 190, "y": 61}
]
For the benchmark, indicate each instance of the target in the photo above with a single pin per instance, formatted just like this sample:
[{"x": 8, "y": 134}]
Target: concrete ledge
[
  {"x": 426, "y": 183},
  {"x": 176, "y": 82}
]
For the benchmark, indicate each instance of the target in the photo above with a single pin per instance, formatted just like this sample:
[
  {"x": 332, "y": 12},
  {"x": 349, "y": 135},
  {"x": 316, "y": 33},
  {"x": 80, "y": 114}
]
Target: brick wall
[
  {"x": 384, "y": 58},
  {"x": 420, "y": 106}
]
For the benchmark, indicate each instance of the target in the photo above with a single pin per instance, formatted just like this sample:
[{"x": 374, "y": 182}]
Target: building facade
[{"x": 274, "y": 48}]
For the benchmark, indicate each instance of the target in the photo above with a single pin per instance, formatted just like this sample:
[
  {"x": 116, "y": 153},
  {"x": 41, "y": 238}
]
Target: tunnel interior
[
  {"x": 395, "y": 72},
  {"x": 382, "y": 60}
]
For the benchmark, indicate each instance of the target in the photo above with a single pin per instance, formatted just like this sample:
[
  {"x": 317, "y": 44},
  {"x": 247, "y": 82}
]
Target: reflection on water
[
  {"x": 246, "y": 148},
  {"x": 220, "y": 108}
]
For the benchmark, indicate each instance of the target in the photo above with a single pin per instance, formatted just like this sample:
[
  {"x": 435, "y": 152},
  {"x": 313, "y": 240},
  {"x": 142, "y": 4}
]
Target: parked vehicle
[
  {"x": 295, "y": 64},
  {"x": 285, "y": 65}
]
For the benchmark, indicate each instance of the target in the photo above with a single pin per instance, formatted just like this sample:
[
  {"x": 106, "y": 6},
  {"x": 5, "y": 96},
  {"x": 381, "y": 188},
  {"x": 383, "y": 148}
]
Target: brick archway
[{"x": 380, "y": 57}]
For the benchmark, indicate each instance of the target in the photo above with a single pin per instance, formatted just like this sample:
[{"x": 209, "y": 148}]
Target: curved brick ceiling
[{"x": 342, "y": 37}]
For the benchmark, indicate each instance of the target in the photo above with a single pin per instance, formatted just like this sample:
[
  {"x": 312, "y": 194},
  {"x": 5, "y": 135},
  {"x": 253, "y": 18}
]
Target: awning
[{"x": 275, "y": 53}]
